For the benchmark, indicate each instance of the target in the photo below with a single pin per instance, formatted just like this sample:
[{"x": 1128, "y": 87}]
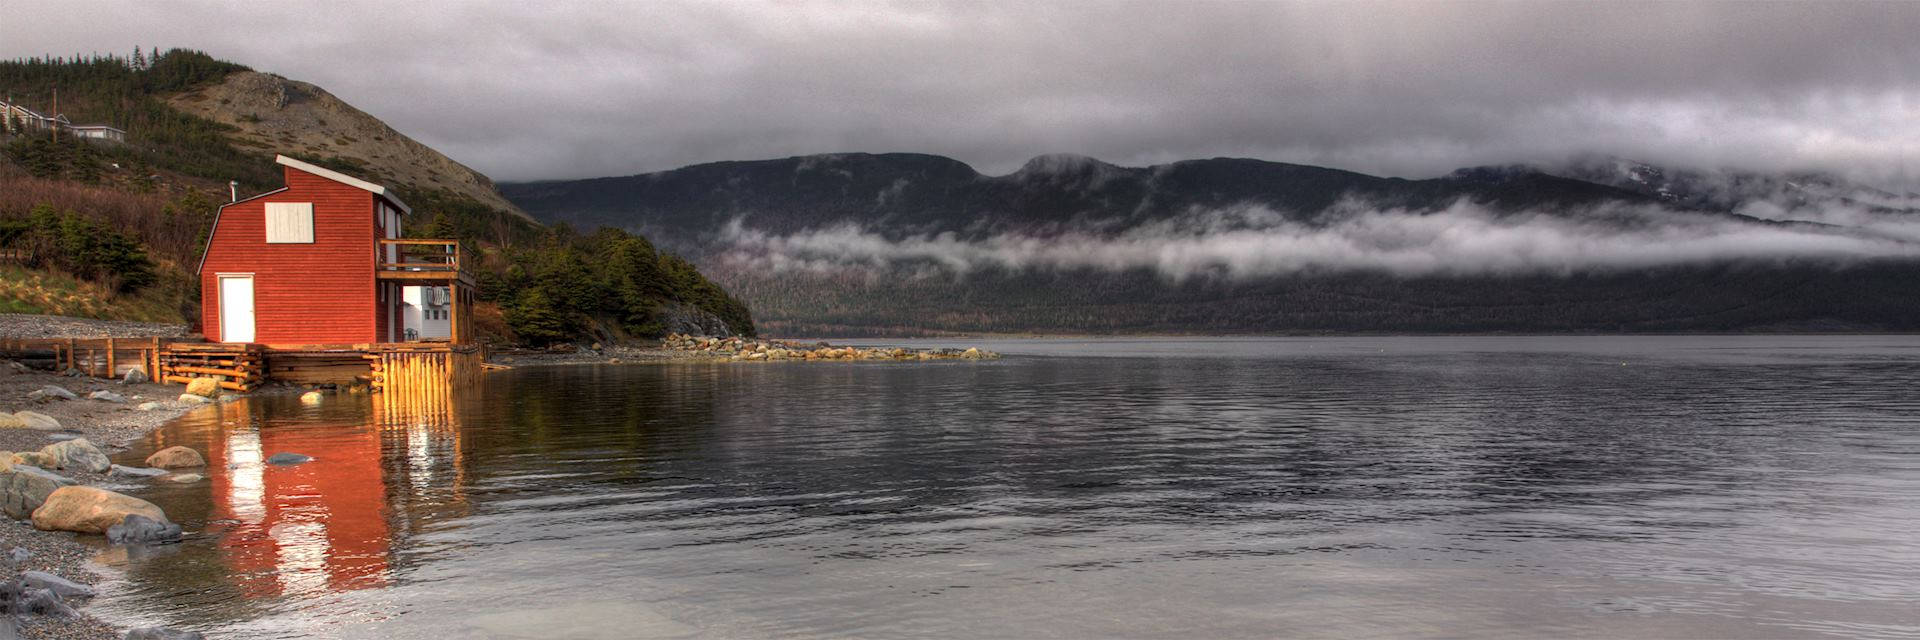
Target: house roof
[{"x": 344, "y": 179}]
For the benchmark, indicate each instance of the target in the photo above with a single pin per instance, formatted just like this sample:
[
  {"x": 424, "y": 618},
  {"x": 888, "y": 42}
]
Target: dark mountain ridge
[
  {"x": 898, "y": 243},
  {"x": 903, "y": 194}
]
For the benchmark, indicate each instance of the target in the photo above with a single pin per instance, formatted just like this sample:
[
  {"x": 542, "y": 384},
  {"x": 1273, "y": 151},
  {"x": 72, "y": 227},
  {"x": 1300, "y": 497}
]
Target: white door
[{"x": 236, "y": 308}]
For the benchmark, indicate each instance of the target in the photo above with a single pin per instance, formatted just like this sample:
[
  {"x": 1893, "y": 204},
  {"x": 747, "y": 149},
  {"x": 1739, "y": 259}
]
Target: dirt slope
[{"x": 278, "y": 115}]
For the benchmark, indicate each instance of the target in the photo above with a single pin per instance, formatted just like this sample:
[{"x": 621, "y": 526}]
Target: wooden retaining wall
[
  {"x": 400, "y": 368},
  {"x": 238, "y": 367}
]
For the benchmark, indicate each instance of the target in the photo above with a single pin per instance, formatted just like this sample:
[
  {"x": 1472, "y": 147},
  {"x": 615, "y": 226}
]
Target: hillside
[
  {"x": 278, "y": 115},
  {"x": 856, "y": 244},
  {"x": 129, "y": 220}
]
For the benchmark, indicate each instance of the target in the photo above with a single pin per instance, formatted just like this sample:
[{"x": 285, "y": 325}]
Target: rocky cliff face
[{"x": 277, "y": 115}]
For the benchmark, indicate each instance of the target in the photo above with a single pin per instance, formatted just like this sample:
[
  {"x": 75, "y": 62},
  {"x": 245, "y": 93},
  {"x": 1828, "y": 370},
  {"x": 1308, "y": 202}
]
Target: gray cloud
[
  {"x": 1461, "y": 240},
  {"x": 552, "y": 90}
]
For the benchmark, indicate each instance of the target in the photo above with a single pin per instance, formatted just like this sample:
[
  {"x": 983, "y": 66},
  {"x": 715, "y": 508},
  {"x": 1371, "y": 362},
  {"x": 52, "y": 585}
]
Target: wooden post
[
  {"x": 71, "y": 363},
  {"x": 153, "y": 363},
  {"x": 110, "y": 361},
  {"x": 453, "y": 307}
]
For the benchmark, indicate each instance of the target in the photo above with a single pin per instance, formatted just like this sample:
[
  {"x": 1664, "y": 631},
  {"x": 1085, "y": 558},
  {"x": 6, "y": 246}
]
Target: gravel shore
[
  {"x": 33, "y": 327},
  {"x": 109, "y": 425}
]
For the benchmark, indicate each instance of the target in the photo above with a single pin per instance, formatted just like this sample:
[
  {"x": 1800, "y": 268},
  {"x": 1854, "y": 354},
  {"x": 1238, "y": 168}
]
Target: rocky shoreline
[
  {"x": 689, "y": 348},
  {"x": 63, "y": 427},
  {"x": 753, "y": 350}
]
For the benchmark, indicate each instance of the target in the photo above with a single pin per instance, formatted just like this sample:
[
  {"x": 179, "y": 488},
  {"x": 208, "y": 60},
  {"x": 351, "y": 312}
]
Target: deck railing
[{"x": 422, "y": 256}]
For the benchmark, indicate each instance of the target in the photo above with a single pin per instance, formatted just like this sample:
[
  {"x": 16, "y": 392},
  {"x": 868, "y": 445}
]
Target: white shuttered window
[{"x": 290, "y": 222}]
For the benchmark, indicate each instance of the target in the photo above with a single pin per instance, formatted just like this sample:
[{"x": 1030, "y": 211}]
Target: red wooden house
[{"x": 321, "y": 262}]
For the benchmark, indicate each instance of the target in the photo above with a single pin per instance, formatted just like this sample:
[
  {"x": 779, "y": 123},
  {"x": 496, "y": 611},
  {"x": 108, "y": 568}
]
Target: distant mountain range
[{"x": 858, "y": 244}]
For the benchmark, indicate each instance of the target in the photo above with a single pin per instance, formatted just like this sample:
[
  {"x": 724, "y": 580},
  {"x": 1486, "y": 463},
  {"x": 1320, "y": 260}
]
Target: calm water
[{"x": 1541, "y": 487}]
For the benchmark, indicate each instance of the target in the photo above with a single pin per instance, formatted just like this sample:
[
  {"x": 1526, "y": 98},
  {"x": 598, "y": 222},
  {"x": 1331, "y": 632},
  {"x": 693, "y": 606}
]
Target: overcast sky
[{"x": 529, "y": 90}]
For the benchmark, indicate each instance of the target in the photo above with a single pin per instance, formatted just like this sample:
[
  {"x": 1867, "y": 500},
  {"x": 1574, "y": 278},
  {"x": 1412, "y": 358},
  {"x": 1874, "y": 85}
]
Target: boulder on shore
[
  {"x": 55, "y": 391},
  {"x": 59, "y": 586},
  {"x": 204, "y": 387},
  {"x": 148, "y": 406},
  {"x": 34, "y": 459},
  {"x": 78, "y": 454},
  {"x": 44, "y": 602},
  {"x": 135, "y": 376},
  {"x": 193, "y": 399},
  {"x": 106, "y": 396},
  {"x": 176, "y": 457},
  {"x": 185, "y": 478},
  {"x": 23, "y": 488},
  {"x": 8, "y": 421},
  {"x": 38, "y": 421},
  {"x": 86, "y": 509},
  {"x": 135, "y": 472}
]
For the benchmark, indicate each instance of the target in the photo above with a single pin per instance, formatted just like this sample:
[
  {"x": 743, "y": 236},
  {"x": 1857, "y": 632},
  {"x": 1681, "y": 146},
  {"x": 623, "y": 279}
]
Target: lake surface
[{"x": 1178, "y": 488}]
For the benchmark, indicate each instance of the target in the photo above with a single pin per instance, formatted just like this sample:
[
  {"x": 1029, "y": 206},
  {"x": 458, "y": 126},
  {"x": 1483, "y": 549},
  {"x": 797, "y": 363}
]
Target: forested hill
[
  {"x": 911, "y": 243},
  {"x": 128, "y": 220}
]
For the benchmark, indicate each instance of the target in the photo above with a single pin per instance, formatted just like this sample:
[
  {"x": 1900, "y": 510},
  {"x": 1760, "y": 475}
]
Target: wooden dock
[{"x": 244, "y": 366}]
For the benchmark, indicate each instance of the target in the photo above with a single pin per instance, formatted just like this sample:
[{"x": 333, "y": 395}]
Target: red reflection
[{"x": 321, "y": 525}]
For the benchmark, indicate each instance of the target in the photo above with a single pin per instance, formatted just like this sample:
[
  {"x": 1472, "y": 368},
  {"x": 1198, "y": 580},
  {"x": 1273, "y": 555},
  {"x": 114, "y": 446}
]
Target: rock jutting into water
[
  {"x": 751, "y": 350},
  {"x": 84, "y": 509},
  {"x": 288, "y": 458},
  {"x": 176, "y": 457},
  {"x": 139, "y": 529}
]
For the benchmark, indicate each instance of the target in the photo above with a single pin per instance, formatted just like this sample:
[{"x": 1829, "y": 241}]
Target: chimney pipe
[{"x": 233, "y": 190}]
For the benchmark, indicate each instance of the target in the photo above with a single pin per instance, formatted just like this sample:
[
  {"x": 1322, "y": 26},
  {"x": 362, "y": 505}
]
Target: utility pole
[{"x": 54, "y": 124}]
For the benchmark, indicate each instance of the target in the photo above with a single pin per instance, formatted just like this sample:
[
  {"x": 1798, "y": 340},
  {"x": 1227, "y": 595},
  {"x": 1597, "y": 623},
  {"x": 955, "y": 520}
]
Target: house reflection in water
[{"x": 329, "y": 524}]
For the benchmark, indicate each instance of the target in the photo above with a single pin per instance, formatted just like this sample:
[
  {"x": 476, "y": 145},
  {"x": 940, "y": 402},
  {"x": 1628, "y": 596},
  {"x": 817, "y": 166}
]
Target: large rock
[
  {"x": 185, "y": 478},
  {"x": 150, "y": 406},
  {"x": 106, "y": 396},
  {"x": 193, "y": 399},
  {"x": 35, "y": 459},
  {"x": 90, "y": 510},
  {"x": 59, "y": 586},
  {"x": 54, "y": 391},
  {"x": 24, "y": 488},
  {"x": 135, "y": 472},
  {"x": 45, "y": 602},
  {"x": 9, "y": 421},
  {"x": 162, "y": 633},
  {"x": 176, "y": 458},
  {"x": 78, "y": 455},
  {"x": 139, "y": 529},
  {"x": 311, "y": 397},
  {"x": 204, "y": 387},
  {"x": 37, "y": 420},
  {"x": 134, "y": 376}
]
